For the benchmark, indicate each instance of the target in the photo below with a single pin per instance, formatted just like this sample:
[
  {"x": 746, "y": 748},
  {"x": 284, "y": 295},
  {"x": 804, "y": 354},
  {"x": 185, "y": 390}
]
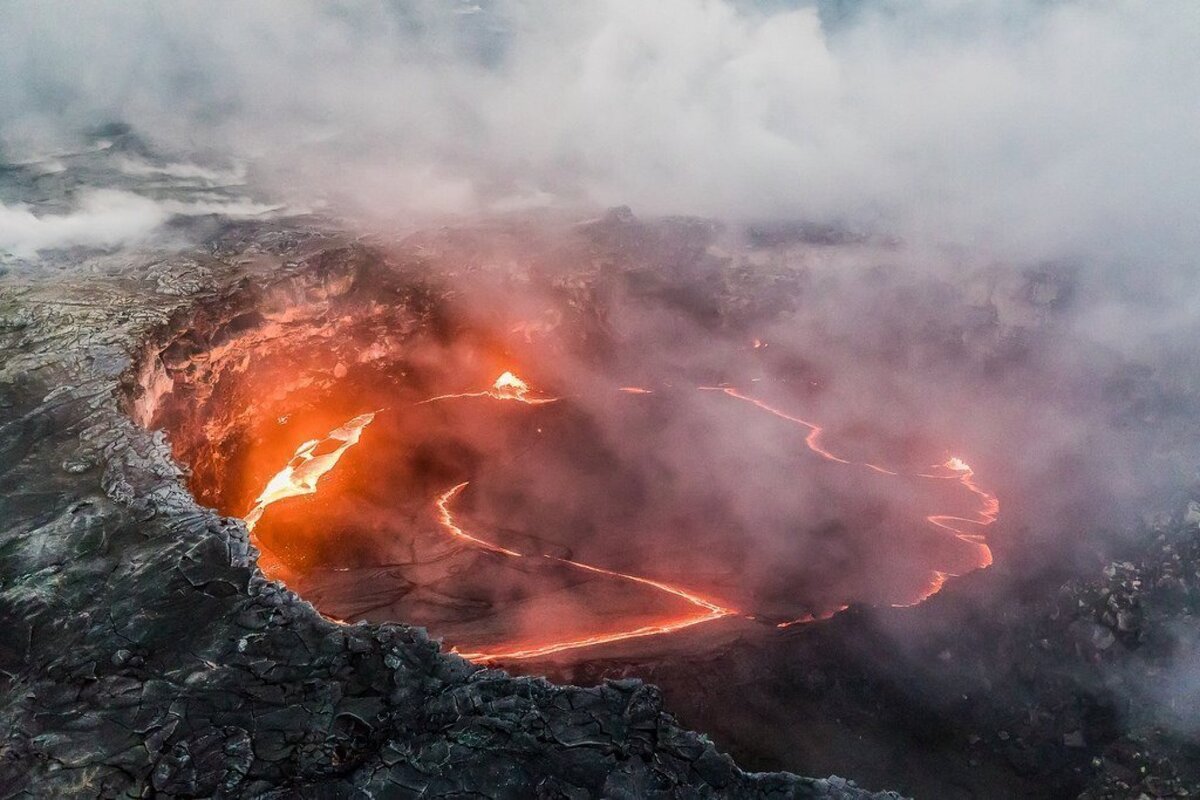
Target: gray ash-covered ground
[{"x": 146, "y": 654}]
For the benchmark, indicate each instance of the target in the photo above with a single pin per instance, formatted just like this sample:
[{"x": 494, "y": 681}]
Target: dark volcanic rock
[{"x": 145, "y": 654}]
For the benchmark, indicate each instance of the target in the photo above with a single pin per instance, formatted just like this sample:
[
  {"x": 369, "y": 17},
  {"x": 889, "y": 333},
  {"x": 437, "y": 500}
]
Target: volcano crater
[{"x": 615, "y": 494}]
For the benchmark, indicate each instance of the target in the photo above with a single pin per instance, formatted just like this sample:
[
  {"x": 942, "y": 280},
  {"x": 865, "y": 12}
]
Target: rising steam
[{"x": 1016, "y": 128}]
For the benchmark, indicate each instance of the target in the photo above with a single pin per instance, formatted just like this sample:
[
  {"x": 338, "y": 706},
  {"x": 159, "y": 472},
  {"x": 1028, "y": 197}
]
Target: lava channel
[{"x": 953, "y": 468}]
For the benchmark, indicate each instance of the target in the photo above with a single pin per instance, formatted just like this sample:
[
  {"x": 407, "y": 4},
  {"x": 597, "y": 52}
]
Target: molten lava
[
  {"x": 507, "y": 387},
  {"x": 309, "y": 463},
  {"x": 814, "y": 430},
  {"x": 708, "y": 610},
  {"x": 510, "y": 387},
  {"x": 954, "y": 468},
  {"x": 446, "y": 519},
  {"x": 315, "y": 458}
]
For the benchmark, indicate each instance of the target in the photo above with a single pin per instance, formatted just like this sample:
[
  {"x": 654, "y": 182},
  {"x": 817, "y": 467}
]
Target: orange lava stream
[
  {"x": 708, "y": 609},
  {"x": 446, "y": 519},
  {"x": 510, "y": 387},
  {"x": 807, "y": 618},
  {"x": 507, "y": 387},
  {"x": 814, "y": 430},
  {"x": 954, "y": 469}
]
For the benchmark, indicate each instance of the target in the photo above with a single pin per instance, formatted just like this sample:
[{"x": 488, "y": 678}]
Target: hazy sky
[{"x": 1041, "y": 129}]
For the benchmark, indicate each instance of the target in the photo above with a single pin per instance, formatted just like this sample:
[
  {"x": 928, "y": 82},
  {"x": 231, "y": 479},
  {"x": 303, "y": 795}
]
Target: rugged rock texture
[{"x": 144, "y": 654}]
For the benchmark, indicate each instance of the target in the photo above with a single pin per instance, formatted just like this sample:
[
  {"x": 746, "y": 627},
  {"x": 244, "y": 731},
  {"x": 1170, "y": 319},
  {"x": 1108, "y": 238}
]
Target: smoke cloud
[
  {"x": 104, "y": 218},
  {"x": 1022, "y": 129}
]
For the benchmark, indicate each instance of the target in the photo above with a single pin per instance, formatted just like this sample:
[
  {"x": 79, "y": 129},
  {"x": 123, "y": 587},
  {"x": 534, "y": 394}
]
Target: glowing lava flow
[
  {"x": 814, "y": 430},
  {"x": 708, "y": 609},
  {"x": 507, "y": 387},
  {"x": 510, "y": 387},
  {"x": 309, "y": 463},
  {"x": 955, "y": 469},
  {"x": 446, "y": 520},
  {"x": 989, "y": 512},
  {"x": 809, "y": 618}
]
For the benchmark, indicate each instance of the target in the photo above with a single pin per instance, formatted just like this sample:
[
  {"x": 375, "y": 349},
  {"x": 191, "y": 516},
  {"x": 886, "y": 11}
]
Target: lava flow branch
[
  {"x": 706, "y": 609},
  {"x": 507, "y": 387},
  {"x": 315, "y": 458},
  {"x": 965, "y": 529}
]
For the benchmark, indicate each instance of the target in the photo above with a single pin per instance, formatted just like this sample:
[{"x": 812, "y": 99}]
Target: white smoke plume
[
  {"x": 1021, "y": 128},
  {"x": 103, "y": 218}
]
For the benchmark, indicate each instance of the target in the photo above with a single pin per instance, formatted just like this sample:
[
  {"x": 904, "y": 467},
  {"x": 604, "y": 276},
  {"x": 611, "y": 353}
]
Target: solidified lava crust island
[{"x": 143, "y": 616}]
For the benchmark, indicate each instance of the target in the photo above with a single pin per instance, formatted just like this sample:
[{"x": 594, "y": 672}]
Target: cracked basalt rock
[{"x": 145, "y": 654}]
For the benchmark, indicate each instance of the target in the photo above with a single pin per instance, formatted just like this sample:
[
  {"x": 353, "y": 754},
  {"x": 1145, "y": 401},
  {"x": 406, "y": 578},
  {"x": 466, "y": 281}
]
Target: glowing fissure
[
  {"x": 446, "y": 520},
  {"x": 310, "y": 462},
  {"x": 507, "y": 387},
  {"x": 814, "y": 431},
  {"x": 807, "y": 618},
  {"x": 953, "y": 468},
  {"x": 510, "y": 387},
  {"x": 708, "y": 610}
]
